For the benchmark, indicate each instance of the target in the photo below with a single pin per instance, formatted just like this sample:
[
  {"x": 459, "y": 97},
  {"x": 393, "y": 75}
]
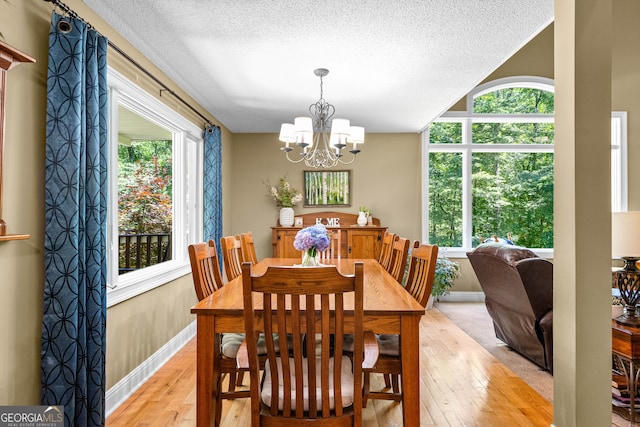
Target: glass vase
[{"x": 310, "y": 258}]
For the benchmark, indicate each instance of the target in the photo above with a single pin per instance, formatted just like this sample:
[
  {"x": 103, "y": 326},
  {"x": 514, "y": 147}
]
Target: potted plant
[
  {"x": 285, "y": 197},
  {"x": 447, "y": 272}
]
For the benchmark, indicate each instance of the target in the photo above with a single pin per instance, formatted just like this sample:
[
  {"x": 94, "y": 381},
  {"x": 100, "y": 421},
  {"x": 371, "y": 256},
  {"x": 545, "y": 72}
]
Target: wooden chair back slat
[
  {"x": 333, "y": 251},
  {"x": 399, "y": 253},
  {"x": 385, "y": 249},
  {"x": 422, "y": 268},
  {"x": 231, "y": 256},
  {"x": 205, "y": 268},
  {"x": 248, "y": 248}
]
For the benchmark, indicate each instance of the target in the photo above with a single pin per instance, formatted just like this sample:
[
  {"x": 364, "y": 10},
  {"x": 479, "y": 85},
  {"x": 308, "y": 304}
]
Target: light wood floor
[{"x": 461, "y": 385}]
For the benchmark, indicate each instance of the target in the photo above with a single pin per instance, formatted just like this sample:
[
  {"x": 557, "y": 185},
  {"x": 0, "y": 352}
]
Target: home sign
[{"x": 330, "y": 222}]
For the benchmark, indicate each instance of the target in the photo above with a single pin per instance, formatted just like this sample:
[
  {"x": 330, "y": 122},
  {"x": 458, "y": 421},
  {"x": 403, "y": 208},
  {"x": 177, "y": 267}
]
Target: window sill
[{"x": 133, "y": 284}]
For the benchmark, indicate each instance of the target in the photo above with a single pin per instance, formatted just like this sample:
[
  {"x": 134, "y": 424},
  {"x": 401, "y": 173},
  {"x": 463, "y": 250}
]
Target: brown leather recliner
[{"x": 518, "y": 288}]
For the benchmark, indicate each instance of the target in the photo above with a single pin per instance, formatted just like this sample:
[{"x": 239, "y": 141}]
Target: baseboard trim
[
  {"x": 459, "y": 296},
  {"x": 124, "y": 388}
]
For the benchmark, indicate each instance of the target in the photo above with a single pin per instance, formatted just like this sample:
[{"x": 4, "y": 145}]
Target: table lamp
[{"x": 625, "y": 243}]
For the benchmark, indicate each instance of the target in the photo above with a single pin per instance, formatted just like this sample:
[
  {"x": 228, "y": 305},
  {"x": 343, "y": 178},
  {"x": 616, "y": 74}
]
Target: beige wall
[
  {"x": 136, "y": 328},
  {"x": 384, "y": 177},
  {"x": 534, "y": 59}
]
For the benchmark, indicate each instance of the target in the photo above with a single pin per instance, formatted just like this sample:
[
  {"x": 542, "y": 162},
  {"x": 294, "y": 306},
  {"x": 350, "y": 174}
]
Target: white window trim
[
  {"x": 187, "y": 191},
  {"x": 619, "y": 168},
  {"x": 467, "y": 118}
]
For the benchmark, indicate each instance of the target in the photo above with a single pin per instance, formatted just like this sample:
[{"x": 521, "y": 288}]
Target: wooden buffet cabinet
[{"x": 355, "y": 241}]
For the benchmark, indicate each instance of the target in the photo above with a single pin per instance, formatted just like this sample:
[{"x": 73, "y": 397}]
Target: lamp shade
[
  {"x": 287, "y": 133},
  {"x": 356, "y": 135},
  {"x": 340, "y": 127},
  {"x": 625, "y": 234},
  {"x": 303, "y": 124}
]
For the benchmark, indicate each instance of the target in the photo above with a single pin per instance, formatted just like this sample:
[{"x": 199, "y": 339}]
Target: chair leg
[
  {"x": 387, "y": 381},
  {"x": 366, "y": 388},
  {"x": 218, "y": 407},
  {"x": 240, "y": 378},
  {"x": 395, "y": 379},
  {"x": 232, "y": 381}
]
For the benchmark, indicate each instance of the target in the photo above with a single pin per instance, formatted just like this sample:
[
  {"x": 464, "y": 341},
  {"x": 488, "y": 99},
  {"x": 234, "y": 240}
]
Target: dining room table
[{"x": 388, "y": 309}]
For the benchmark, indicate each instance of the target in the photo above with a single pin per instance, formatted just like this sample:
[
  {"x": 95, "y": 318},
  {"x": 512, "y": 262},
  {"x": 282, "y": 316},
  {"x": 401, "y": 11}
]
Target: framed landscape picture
[{"x": 327, "y": 188}]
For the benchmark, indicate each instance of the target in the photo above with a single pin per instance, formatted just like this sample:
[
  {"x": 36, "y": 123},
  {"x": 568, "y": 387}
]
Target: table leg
[
  {"x": 206, "y": 353},
  {"x": 410, "y": 351}
]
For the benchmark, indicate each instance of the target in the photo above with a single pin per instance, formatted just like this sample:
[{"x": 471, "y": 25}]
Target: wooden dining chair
[
  {"x": 207, "y": 279},
  {"x": 248, "y": 248},
  {"x": 385, "y": 250},
  {"x": 422, "y": 267},
  {"x": 309, "y": 386},
  {"x": 399, "y": 254},
  {"x": 333, "y": 251},
  {"x": 231, "y": 256},
  {"x": 205, "y": 268}
]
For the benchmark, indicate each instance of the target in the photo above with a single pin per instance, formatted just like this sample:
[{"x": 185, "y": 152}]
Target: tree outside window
[
  {"x": 494, "y": 170},
  {"x": 490, "y": 169}
]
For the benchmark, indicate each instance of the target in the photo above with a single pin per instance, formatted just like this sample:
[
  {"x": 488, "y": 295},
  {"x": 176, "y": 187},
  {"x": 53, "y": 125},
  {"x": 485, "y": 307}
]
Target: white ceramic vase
[
  {"x": 362, "y": 218},
  {"x": 286, "y": 217}
]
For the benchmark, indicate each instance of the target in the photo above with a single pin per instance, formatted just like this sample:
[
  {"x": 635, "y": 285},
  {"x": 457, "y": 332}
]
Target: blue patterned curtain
[
  {"x": 73, "y": 325},
  {"x": 212, "y": 184}
]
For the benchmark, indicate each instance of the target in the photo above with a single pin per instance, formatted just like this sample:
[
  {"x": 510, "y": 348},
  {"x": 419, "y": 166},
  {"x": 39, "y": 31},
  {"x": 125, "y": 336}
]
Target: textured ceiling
[{"x": 394, "y": 65}]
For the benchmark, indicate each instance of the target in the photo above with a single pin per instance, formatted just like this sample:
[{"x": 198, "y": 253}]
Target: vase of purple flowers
[{"x": 311, "y": 241}]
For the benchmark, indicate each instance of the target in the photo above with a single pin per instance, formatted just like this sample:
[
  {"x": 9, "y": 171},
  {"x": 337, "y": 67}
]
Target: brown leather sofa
[{"x": 518, "y": 288}]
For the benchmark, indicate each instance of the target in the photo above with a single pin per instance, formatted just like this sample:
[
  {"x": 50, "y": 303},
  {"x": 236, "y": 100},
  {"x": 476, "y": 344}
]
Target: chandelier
[{"x": 321, "y": 143}]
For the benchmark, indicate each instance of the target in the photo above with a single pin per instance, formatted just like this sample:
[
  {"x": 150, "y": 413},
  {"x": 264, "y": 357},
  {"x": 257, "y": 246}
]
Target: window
[
  {"x": 489, "y": 170},
  {"x": 154, "y": 196},
  {"x": 145, "y": 202}
]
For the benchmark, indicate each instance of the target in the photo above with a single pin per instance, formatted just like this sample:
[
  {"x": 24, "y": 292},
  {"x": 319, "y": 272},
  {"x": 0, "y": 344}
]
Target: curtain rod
[{"x": 166, "y": 88}]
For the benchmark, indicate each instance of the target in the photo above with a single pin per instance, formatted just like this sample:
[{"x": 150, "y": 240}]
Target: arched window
[{"x": 489, "y": 170}]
